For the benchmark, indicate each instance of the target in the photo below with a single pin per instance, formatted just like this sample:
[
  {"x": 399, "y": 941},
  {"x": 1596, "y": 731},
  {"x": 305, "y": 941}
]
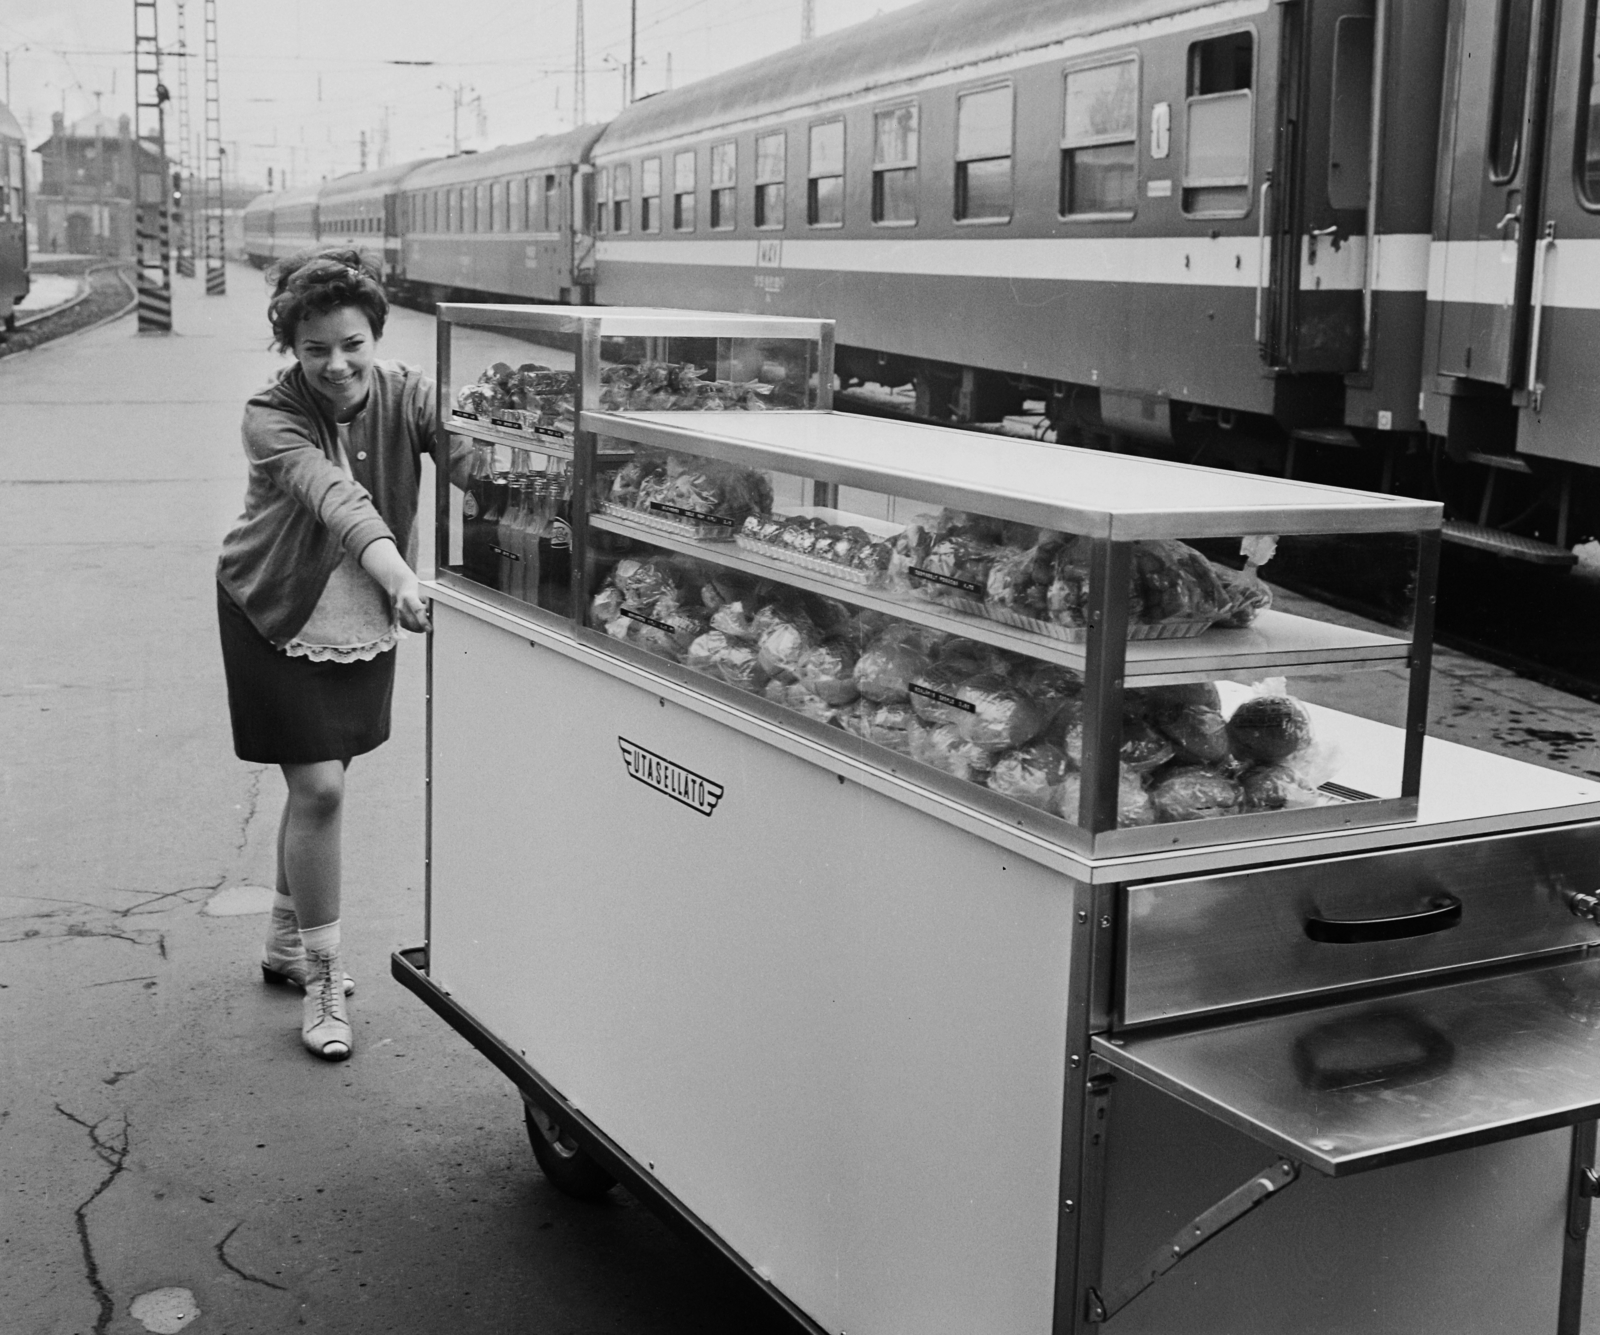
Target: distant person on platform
[{"x": 313, "y": 588}]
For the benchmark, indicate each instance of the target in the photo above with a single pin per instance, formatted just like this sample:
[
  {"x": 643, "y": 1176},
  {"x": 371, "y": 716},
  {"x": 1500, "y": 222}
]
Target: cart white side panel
[{"x": 832, "y": 1025}]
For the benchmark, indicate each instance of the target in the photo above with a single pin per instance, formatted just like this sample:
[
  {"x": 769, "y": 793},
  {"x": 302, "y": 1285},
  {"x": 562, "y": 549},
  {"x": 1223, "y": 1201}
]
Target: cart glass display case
[
  {"x": 513, "y": 379},
  {"x": 1084, "y": 643}
]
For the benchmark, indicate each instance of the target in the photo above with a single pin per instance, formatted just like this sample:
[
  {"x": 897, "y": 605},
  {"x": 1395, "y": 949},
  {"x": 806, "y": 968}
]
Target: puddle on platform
[
  {"x": 165, "y": 1311},
  {"x": 234, "y": 901}
]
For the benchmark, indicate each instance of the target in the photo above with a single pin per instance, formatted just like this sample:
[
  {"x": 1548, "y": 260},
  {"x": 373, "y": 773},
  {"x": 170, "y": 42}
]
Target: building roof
[{"x": 96, "y": 125}]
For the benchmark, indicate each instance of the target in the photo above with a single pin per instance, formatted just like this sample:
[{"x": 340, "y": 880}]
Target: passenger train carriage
[
  {"x": 13, "y": 218},
  {"x": 1228, "y": 230},
  {"x": 363, "y": 212}
]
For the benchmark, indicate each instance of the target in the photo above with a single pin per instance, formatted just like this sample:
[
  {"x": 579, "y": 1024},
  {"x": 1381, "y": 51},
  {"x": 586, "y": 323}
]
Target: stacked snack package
[
  {"x": 984, "y": 715},
  {"x": 530, "y": 395},
  {"x": 654, "y": 386},
  {"x": 1039, "y": 579},
  {"x": 702, "y": 496}
]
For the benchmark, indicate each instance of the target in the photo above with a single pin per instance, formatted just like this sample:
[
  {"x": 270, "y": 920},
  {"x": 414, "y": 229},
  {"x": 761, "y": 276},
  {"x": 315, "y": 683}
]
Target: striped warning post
[
  {"x": 216, "y": 280},
  {"x": 185, "y": 263},
  {"x": 155, "y": 308}
]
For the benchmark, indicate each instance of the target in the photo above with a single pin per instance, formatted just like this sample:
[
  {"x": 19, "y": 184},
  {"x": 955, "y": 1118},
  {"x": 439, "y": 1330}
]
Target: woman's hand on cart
[{"x": 382, "y": 560}]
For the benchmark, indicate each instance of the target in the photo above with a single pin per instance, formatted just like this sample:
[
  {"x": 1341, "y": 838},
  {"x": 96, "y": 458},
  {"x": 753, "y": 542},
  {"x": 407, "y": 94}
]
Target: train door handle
[
  {"x": 1318, "y": 233},
  {"x": 1261, "y": 258},
  {"x": 1512, "y": 218},
  {"x": 1541, "y": 260}
]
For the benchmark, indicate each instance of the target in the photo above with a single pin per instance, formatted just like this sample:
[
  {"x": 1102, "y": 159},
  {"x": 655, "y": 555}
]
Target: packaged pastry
[
  {"x": 943, "y": 747},
  {"x": 701, "y": 655},
  {"x": 1273, "y": 787},
  {"x": 1248, "y": 597},
  {"x": 738, "y": 666},
  {"x": 1270, "y": 728},
  {"x": 1195, "y": 792},
  {"x": 933, "y": 694},
  {"x": 781, "y": 647},
  {"x": 1190, "y": 716},
  {"x": 1032, "y": 774},
  {"x": 886, "y": 724},
  {"x": 1134, "y": 807},
  {"x": 884, "y": 673},
  {"x": 996, "y": 714},
  {"x": 828, "y": 672},
  {"x": 605, "y": 606}
]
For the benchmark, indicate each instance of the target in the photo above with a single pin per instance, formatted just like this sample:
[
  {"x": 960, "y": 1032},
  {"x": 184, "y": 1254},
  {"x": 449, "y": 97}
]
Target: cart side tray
[
  {"x": 1392, "y": 1078},
  {"x": 409, "y": 969}
]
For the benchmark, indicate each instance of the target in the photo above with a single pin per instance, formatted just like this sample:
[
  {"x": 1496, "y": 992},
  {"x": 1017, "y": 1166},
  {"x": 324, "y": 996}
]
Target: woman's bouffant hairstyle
[{"x": 315, "y": 282}]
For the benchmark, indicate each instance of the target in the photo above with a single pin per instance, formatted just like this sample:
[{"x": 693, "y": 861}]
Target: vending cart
[{"x": 940, "y": 872}]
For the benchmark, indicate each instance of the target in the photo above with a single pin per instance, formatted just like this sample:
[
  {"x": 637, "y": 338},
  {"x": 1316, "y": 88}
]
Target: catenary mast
[
  {"x": 152, "y": 243},
  {"x": 216, "y": 260},
  {"x": 183, "y": 218}
]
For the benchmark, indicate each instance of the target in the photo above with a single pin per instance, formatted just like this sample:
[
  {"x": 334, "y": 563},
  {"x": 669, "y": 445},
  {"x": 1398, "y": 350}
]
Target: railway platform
[{"x": 165, "y": 1130}]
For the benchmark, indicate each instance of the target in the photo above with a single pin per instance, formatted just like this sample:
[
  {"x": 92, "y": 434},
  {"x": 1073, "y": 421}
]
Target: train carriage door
[
  {"x": 1490, "y": 161},
  {"x": 1318, "y": 199}
]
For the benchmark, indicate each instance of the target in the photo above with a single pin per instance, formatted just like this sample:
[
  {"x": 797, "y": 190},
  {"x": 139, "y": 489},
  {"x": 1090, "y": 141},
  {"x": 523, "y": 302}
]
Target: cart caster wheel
[{"x": 569, "y": 1169}]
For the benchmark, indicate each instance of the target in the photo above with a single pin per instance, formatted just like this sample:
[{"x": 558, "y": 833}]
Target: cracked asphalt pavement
[{"x": 160, "y": 1126}]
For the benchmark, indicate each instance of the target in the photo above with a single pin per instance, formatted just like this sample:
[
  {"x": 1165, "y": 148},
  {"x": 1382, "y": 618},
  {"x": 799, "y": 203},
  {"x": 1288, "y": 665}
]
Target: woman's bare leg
[{"x": 309, "y": 840}]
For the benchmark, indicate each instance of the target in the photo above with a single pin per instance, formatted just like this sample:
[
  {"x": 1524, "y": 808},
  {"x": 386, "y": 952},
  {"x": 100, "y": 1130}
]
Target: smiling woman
[{"x": 313, "y": 589}]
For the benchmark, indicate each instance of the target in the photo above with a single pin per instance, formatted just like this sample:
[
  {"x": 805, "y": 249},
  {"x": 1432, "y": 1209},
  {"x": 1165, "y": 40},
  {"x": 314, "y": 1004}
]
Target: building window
[
  {"x": 983, "y": 155},
  {"x": 894, "y": 165},
  {"x": 621, "y": 197},
  {"x": 770, "y": 164},
  {"x": 650, "y": 195},
  {"x": 1099, "y": 134},
  {"x": 825, "y": 176},
  {"x": 683, "y": 192},
  {"x": 724, "y": 183},
  {"x": 602, "y": 198},
  {"x": 1219, "y": 126}
]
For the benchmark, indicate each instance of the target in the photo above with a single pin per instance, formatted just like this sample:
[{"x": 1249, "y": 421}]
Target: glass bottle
[
  {"x": 513, "y": 515},
  {"x": 555, "y": 546},
  {"x": 477, "y": 533}
]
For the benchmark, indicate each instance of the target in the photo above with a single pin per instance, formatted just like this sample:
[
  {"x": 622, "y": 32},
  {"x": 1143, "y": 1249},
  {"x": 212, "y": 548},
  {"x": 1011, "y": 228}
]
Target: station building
[{"x": 88, "y": 175}]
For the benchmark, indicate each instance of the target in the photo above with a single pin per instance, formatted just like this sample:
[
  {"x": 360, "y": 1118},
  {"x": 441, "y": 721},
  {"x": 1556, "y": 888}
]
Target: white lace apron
[{"x": 353, "y": 620}]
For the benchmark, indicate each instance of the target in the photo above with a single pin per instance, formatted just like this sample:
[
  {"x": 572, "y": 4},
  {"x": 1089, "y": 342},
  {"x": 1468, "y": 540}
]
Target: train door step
[
  {"x": 1507, "y": 544},
  {"x": 1343, "y": 437}
]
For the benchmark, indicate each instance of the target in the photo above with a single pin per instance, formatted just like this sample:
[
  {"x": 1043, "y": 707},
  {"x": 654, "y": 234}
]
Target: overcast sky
[{"x": 301, "y": 79}]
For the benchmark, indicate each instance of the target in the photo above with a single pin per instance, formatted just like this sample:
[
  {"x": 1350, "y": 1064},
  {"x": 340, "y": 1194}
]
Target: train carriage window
[
  {"x": 894, "y": 165},
  {"x": 497, "y": 207},
  {"x": 683, "y": 192},
  {"x": 1514, "y": 30},
  {"x": 602, "y": 198},
  {"x": 724, "y": 182},
  {"x": 1587, "y": 138},
  {"x": 452, "y": 205},
  {"x": 621, "y": 197},
  {"x": 771, "y": 162},
  {"x": 552, "y": 203},
  {"x": 1219, "y": 126},
  {"x": 1099, "y": 139},
  {"x": 983, "y": 155},
  {"x": 650, "y": 195},
  {"x": 480, "y": 221},
  {"x": 517, "y": 188},
  {"x": 825, "y": 176}
]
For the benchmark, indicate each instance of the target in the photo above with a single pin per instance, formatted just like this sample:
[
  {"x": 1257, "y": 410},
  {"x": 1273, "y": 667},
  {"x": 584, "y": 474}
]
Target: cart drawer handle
[{"x": 1442, "y": 913}]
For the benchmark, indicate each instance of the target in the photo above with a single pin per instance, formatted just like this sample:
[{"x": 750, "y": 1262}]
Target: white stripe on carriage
[{"x": 1229, "y": 261}]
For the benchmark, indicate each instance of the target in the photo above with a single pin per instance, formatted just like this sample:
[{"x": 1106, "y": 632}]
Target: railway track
[{"x": 109, "y": 294}]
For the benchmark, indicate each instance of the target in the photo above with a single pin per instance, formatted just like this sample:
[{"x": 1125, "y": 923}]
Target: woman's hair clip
[{"x": 354, "y": 275}]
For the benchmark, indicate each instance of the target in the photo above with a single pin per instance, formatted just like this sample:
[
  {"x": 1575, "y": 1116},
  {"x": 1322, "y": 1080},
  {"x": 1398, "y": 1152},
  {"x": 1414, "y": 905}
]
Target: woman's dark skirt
[{"x": 293, "y": 711}]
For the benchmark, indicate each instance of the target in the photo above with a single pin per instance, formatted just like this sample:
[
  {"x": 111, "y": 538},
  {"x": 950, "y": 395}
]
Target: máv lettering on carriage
[{"x": 682, "y": 785}]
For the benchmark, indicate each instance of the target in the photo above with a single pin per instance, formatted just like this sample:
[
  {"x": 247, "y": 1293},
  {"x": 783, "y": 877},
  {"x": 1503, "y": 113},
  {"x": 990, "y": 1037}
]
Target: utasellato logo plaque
[{"x": 681, "y": 785}]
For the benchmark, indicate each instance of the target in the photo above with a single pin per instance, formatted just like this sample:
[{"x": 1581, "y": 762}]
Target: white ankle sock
[{"x": 321, "y": 939}]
